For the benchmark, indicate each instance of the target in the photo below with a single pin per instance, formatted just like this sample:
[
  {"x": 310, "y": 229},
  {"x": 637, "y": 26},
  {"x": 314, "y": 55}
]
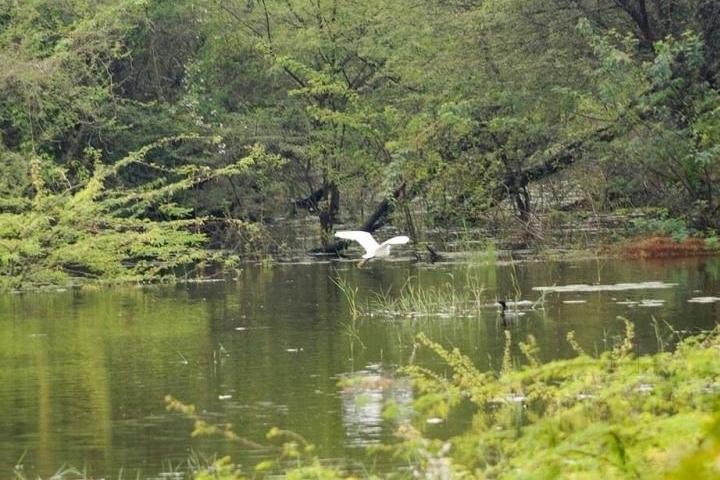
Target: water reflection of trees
[
  {"x": 80, "y": 367},
  {"x": 365, "y": 396}
]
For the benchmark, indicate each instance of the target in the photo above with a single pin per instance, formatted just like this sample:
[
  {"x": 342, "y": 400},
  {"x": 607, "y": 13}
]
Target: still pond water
[{"x": 83, "y": 374}]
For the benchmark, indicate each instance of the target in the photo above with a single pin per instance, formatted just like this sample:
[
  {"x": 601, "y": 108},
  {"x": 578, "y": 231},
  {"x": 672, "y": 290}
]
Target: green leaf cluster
[{"x": 102, "y": 231}]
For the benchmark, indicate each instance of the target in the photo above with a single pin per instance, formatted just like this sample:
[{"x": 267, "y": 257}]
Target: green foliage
[
  {"x": 662, "y": 158},
  {"x": 616, "y": 416},
  {"x": 100, "y": 231},
  {"x": 462, "y": 104},
  {"x": 662, "y": 224},
  {"x": 712, "y": 242}
]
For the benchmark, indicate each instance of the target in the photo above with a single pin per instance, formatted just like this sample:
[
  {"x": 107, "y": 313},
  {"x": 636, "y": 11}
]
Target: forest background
[{"x": 145, "y": 139}]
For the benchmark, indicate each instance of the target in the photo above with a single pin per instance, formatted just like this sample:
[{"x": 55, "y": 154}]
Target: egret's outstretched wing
[
  {"x": 363, "y": 238},
  {"x": 399, "y": 240}
]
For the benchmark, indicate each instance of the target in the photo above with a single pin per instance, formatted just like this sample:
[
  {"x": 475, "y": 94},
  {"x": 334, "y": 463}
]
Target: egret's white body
[{"x": 373, "y": 249}]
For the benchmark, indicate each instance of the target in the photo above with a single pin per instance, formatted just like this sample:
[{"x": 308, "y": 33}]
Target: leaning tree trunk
[
  {"x": 514, "y": 184},
  {"x": 309, "y": 203}
]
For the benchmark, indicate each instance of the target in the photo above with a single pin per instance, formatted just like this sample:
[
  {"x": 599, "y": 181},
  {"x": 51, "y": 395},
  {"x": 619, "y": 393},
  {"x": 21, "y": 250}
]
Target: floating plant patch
[
  {"x": 651, "y": 303},
  {"x": 519, "y": 303},
  {"x": 605, "y": 288},
  {"x": 704, "y": 300}
]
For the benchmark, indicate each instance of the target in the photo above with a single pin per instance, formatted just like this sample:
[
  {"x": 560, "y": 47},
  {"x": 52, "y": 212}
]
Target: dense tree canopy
[{"x": 154, "y": 115}]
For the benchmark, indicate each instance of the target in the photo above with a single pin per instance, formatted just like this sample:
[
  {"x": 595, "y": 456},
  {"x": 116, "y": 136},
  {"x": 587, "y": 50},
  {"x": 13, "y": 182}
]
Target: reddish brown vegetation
[{"x": 659, "y": 247}]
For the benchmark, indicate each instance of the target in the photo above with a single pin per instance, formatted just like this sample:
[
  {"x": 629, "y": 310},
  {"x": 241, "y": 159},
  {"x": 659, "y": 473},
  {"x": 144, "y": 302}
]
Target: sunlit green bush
[
  {"x": 106, "y": 231},
  {"x": 616, "y": 416}
]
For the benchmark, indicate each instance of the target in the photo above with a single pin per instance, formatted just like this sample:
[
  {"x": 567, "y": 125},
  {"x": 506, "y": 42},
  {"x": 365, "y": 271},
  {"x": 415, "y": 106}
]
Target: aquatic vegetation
[
  {"x": 615, "y": 416},
  {"x": 475, "y": 250},
  {"x": 669, "y": 246},
  {"x": 63, "y": 473},
  {"x": 606, "y": 288},
  {"x": 460, "y": 295},
  {"x": 350, "y": 293},
  {"x": 351, "y": 327},
  {"x": 415, "y": 300}
]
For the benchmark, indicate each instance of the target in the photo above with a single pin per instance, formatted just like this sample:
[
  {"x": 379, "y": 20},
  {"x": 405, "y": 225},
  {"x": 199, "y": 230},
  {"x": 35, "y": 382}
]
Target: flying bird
[{"x": 373, "y": 249}]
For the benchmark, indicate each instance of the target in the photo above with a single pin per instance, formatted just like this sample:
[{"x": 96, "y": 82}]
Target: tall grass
[
  {"x": 350, "y": 293},
  {"x": 448, "y": 298},
  {"x": 487, "y": 255},
  {"x": 351, "y": 328}
]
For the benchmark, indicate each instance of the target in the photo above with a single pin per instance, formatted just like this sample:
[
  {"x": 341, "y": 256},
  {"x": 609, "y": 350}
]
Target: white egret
[{"x": 373, "y": 249}]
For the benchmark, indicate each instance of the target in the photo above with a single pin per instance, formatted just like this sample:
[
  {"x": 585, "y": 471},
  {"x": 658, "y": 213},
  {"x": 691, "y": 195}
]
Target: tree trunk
[
  {"x": 328, "y": 213},
  {"x": 638, "y": 12},
  {"x": 309, "y": 203}
]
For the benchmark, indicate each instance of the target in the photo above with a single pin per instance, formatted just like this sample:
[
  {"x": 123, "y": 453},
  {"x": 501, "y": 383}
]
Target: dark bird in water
[
  {"x": 503, "y": 305},
  {"x": 507, "y": 314},
  {"x": 502, "y": 312}
]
